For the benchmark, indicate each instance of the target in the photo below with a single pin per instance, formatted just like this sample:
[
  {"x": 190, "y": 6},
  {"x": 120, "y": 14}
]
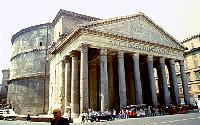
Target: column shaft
[
  {"x": 152, "y": 80},
  {"x": 75, "y": 86},
  {"x": 111, "y": 82},
  {"x": 122, "y": 81},
  {"x": 67, "y": 84},
  {"x": 174, "y": 82},
  {"x": 164, "y": 82},
  {"x": 184, "y": 83},
  {"x": 137, "y": 80},
  {"x": 104, "y": 80},
  {"x": 84, "y": 98}
]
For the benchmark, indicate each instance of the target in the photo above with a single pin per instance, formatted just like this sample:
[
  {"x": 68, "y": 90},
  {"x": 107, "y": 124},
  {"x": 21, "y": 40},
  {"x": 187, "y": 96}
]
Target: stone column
[
  {"x": 137, "y": 80},
  {"x": 110, "y": 82},
  {"x": 152, "y": 80},
  {"x": 184, "y": 83},
  {"x": 93, "y": 86},
  {"x": 174, "y": 82},
  {"x": 67, "y": 83},
  {"x": 104, "y": 80},
  {"x": 74, "y": 85},
  {"x": 122, "y": 81},
  {"x": 84, "y": 98},
  {"x": 164, "y": 82}
]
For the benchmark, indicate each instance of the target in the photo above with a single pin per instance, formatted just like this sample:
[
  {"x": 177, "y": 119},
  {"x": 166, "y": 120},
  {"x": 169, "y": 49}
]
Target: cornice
[
  {"x": 28, "y": 30},
  {"x": 28, "y": 76},
  {"x": 194, "y": 50},
  {"x": 190, "y": 38},
  {"x": 74, "y": 15},
  {"x": 27, "y": 51}
]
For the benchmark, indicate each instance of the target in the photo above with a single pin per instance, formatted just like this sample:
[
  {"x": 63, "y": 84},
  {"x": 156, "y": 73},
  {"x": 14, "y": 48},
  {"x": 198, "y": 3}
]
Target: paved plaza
[{"x": 178, "y": 119}]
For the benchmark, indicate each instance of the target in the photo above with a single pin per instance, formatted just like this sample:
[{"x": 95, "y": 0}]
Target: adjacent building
[{"x": 192, "y": 66}]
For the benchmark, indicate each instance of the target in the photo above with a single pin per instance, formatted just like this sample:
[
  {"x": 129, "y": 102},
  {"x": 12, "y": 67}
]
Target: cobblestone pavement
[{"x": 178, "y": 119}]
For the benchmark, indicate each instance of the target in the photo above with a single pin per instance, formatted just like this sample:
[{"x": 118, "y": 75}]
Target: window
[
  {"x": 195, "y": 63},
  {"x": 189, "y": 88},
  {"x": 180, "y": 90},
  {"x": 197, "y": 75},
  {"x": 192, "y": 45},
  {"x": 188, "y": 76},
  {"x": 40, "y": 43},
  {"x": 186, "y": 65},
  {"x": 179, "y": 79},
  {"x": 199, "y": 87}
]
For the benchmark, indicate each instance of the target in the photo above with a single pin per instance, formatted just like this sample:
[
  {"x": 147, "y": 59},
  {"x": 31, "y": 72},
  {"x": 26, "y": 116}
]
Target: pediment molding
[{"x": 142, "y": 17}]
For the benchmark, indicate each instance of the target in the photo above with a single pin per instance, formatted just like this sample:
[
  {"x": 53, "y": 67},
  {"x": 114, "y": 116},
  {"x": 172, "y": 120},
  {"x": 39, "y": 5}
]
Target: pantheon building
[{"x": 111, "y": 63}]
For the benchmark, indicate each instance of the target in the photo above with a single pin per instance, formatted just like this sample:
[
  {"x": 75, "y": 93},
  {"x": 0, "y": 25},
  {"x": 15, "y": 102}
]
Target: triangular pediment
[{"x": 136, "y": 26}]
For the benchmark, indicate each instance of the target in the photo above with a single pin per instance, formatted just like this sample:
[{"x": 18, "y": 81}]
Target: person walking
[
  {"x": 28, "y": 118},
  {"x": 58, "y": 120}
]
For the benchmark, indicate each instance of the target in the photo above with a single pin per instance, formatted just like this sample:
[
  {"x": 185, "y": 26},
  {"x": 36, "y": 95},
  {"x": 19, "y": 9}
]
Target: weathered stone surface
[
  {"x": 29, "y": 70},
  {"x": 28, "y": 95}
]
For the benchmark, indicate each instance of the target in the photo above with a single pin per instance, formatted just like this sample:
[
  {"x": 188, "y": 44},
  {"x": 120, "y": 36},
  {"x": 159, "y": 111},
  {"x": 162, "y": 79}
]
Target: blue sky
[{"x": 180, "y": 18}]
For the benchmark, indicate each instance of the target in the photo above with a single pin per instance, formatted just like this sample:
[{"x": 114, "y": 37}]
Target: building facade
[
  {"x": 192, "y": 66},
  {"x": 110, "y": 63}
]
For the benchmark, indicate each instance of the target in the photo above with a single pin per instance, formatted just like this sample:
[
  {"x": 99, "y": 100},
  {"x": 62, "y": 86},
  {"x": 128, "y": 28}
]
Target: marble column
[
  {"x": 75, "y": 85},
  {"x": 67, "y": 83},
  {"x": 137, "y": 80},
  {"x": 174, "y": 82},
  {"x": 152, "y": 80},
  {"x": 104, "y": 80},
  {"x": 164, "y": 82},
  {"x": 184, "y": 83},
  {"x": 122, "y": 80},
  {"x": 84, "y": 98}
]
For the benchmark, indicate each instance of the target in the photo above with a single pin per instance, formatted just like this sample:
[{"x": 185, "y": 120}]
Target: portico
[{"x": 110, "y": 64}]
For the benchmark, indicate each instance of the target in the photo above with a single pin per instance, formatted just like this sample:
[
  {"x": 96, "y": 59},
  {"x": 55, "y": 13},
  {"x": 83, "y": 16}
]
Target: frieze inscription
[{"x": 139, "y": 47}]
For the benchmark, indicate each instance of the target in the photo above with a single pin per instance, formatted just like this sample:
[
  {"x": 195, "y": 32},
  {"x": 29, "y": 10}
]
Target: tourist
[
  {"x": 58, "y": 120},
  {"x": 28, "y": 118}
]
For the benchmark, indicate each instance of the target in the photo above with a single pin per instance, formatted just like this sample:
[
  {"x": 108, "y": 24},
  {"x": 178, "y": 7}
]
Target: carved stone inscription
[{"x": 140, "y": 47}]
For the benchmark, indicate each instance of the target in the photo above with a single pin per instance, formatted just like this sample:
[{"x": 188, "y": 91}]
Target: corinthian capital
[
  {"x": 103, "y": 52},
  {"x": 84, "y": 47},
  {"x": 135, "y": 55},
  {"x": 162, "y": 60},
  {"x": 67, "y": 59},
  {"x": 120, "y": 54},
  {"x": 172, "y": 62},
  {"x": 74, "y": 53},
  {"x": 150, "y": 58},
  {"x": 181, "y": 62}
]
